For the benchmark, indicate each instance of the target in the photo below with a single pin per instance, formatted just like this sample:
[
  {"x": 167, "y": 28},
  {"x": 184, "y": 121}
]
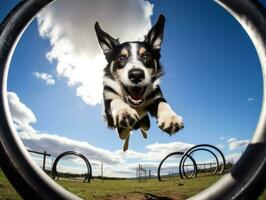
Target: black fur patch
[
  {"x": 144, "y": 122},
  {"x": 153, "y": 108},
  {"x": 108, "y": 115},
  {"x": 109, "y": 89}
]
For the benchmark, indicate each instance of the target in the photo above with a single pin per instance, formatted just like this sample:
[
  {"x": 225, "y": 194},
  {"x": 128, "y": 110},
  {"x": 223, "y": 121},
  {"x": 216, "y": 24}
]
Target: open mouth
[{"x": 135, "y": 94}]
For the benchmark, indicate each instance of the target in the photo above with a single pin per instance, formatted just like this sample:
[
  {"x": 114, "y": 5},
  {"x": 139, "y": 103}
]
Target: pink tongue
[{"x": 136, "y": 97}]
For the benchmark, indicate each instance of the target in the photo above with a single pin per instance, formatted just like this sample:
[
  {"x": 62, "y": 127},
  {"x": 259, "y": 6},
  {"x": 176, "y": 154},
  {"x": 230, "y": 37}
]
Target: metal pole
[
  {"x": 44, "y": 160},
  {"x": 102, "y": 171}
]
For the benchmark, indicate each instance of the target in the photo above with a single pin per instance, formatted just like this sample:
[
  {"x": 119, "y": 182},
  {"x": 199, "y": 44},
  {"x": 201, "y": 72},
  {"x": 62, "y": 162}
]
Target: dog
[{"x": 131, "y": 84}]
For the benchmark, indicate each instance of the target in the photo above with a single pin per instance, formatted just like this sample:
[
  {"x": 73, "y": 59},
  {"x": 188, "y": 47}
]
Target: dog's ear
[
  {"x": 155, "y": 35},
  {"x": 106, "y": 41}
]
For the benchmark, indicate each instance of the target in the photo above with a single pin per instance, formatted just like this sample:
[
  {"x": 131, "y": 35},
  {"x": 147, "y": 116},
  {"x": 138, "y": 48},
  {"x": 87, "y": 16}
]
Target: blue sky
[{"x": 212, "y": 78}]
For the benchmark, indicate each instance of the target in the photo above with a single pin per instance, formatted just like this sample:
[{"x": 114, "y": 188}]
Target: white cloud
[
  {"x": 220, "y": 146},
  {"x": 231, "y": 140},
  {"x": 21, "y": 114},
  {"x": 166, "y": 148},
  {"x": 130, "y": 154},
  {"x": 48, "y": 78},
  {"x": 232, "y": 158},
  {"x": 234, "y": 143},
  {"x": 116, "y": 163},
  {"x": 155, "y": 152},
  {"x": 69, "y": 25},
  {"x": 153, "y": 166},
  {"x": 33, "y": 139},
  {"x": 221, "y": 138},
  {"x": 58, "y": 144},
  {"x": 238, "y": 144},
  {"x": 39, "y": 160},
  {"x": 73, "y": 170},
  {"x": 250, "y": 99}
]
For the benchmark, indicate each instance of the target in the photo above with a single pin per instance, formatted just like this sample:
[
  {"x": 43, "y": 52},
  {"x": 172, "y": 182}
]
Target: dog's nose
[{"x": 136, "y": 75}]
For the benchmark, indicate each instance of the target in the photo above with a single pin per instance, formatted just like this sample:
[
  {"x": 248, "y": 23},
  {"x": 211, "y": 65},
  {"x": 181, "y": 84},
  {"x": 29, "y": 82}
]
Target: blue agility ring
[{"x": 245, "y": 181}]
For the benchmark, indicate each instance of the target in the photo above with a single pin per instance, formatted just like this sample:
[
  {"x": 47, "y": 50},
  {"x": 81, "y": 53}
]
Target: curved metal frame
[
  {"x": 214, "y": 155},
  {"x": 190, "y": 154},
  {"x": 31, "y": 182},
  {"x": 196, "y": 148},
  {"x": 187, "y": 154},
  {"x": 89, "y": 170},
  {"x": 194, "y": 174}
]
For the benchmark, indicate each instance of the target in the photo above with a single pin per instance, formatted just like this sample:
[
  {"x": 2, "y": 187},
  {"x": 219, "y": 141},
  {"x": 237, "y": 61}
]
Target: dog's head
[{"x": 134, "y": 65}]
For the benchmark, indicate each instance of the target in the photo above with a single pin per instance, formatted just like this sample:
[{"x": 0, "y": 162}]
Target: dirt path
[{"x": 147, "y": 196}]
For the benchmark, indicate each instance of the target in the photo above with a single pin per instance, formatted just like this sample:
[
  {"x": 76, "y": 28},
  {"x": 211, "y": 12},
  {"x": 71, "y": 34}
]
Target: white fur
[
  {"x": 113, "y": 84},
  {"x": 112, "y": 67},
  {"x": 157, "y": 43},
  {"x": 156, "y": 83},
  {"x": 134, "y": 63},
  {"x": 156, "y": 67},
  {"x": 134, "y": 51},
  {"x": 167, "y": 117},
  {"x": 124, "y": 76},
  {"x": 105, "y": 48},
  {"x": 120, "y": 108},
  {"x": 110, "y": 95}
]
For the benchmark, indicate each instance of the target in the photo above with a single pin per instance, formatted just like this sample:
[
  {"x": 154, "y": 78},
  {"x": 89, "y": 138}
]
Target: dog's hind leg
[
  {"x": 124, "y": 134},
  {"x": 144, "y": 125},
  {"x": 125, "y": 146},
  {"x": 144, "y": 133}
]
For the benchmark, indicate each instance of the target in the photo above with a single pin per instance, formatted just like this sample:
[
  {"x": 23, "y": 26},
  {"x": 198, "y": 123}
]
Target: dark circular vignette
[{"x": 32, "y": 183}]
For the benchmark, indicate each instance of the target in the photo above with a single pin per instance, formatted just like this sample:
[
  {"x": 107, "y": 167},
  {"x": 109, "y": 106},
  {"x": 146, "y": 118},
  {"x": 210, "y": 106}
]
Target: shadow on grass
[{"x": 149, "y": 196}]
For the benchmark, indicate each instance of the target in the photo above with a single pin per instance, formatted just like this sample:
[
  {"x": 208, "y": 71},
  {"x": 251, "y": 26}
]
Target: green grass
[
  {"x": 131, "y": 189},
  {"x": 125, "y": 189},
  {"x": 7, "y": 192}
]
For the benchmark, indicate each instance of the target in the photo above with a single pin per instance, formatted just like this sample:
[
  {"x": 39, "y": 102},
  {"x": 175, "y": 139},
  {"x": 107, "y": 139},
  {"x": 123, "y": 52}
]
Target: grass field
[{"x": 125, "y": 189}]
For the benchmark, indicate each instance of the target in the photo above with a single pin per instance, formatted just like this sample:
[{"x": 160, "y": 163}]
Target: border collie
[{"x": 131, "y": 84}]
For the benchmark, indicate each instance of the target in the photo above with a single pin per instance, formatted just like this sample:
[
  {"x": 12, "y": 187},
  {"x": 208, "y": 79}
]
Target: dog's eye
[
  {"x": 121, "y": 58},
  {"x": 146, "y": 56}
]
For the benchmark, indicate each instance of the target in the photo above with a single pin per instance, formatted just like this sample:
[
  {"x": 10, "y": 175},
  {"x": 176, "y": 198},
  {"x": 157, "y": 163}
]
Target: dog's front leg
[
  {"x": 123, "y": 115},
  {"x": 124, "y": 118},
  {"x": 167, "y": 119}
]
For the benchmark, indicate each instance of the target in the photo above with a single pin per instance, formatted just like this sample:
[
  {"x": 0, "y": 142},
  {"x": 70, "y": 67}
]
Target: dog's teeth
[{"x": 135, "y": 101}]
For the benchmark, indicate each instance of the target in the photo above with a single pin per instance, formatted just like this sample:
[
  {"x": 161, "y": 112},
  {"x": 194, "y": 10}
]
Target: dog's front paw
[
  {"x": 170, "y": 122},
  {"x": 125, "y": 117}
]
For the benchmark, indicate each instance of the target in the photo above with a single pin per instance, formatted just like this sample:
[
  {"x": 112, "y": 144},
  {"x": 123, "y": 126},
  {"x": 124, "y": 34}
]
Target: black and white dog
[{"x": 131, "y": 84}]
